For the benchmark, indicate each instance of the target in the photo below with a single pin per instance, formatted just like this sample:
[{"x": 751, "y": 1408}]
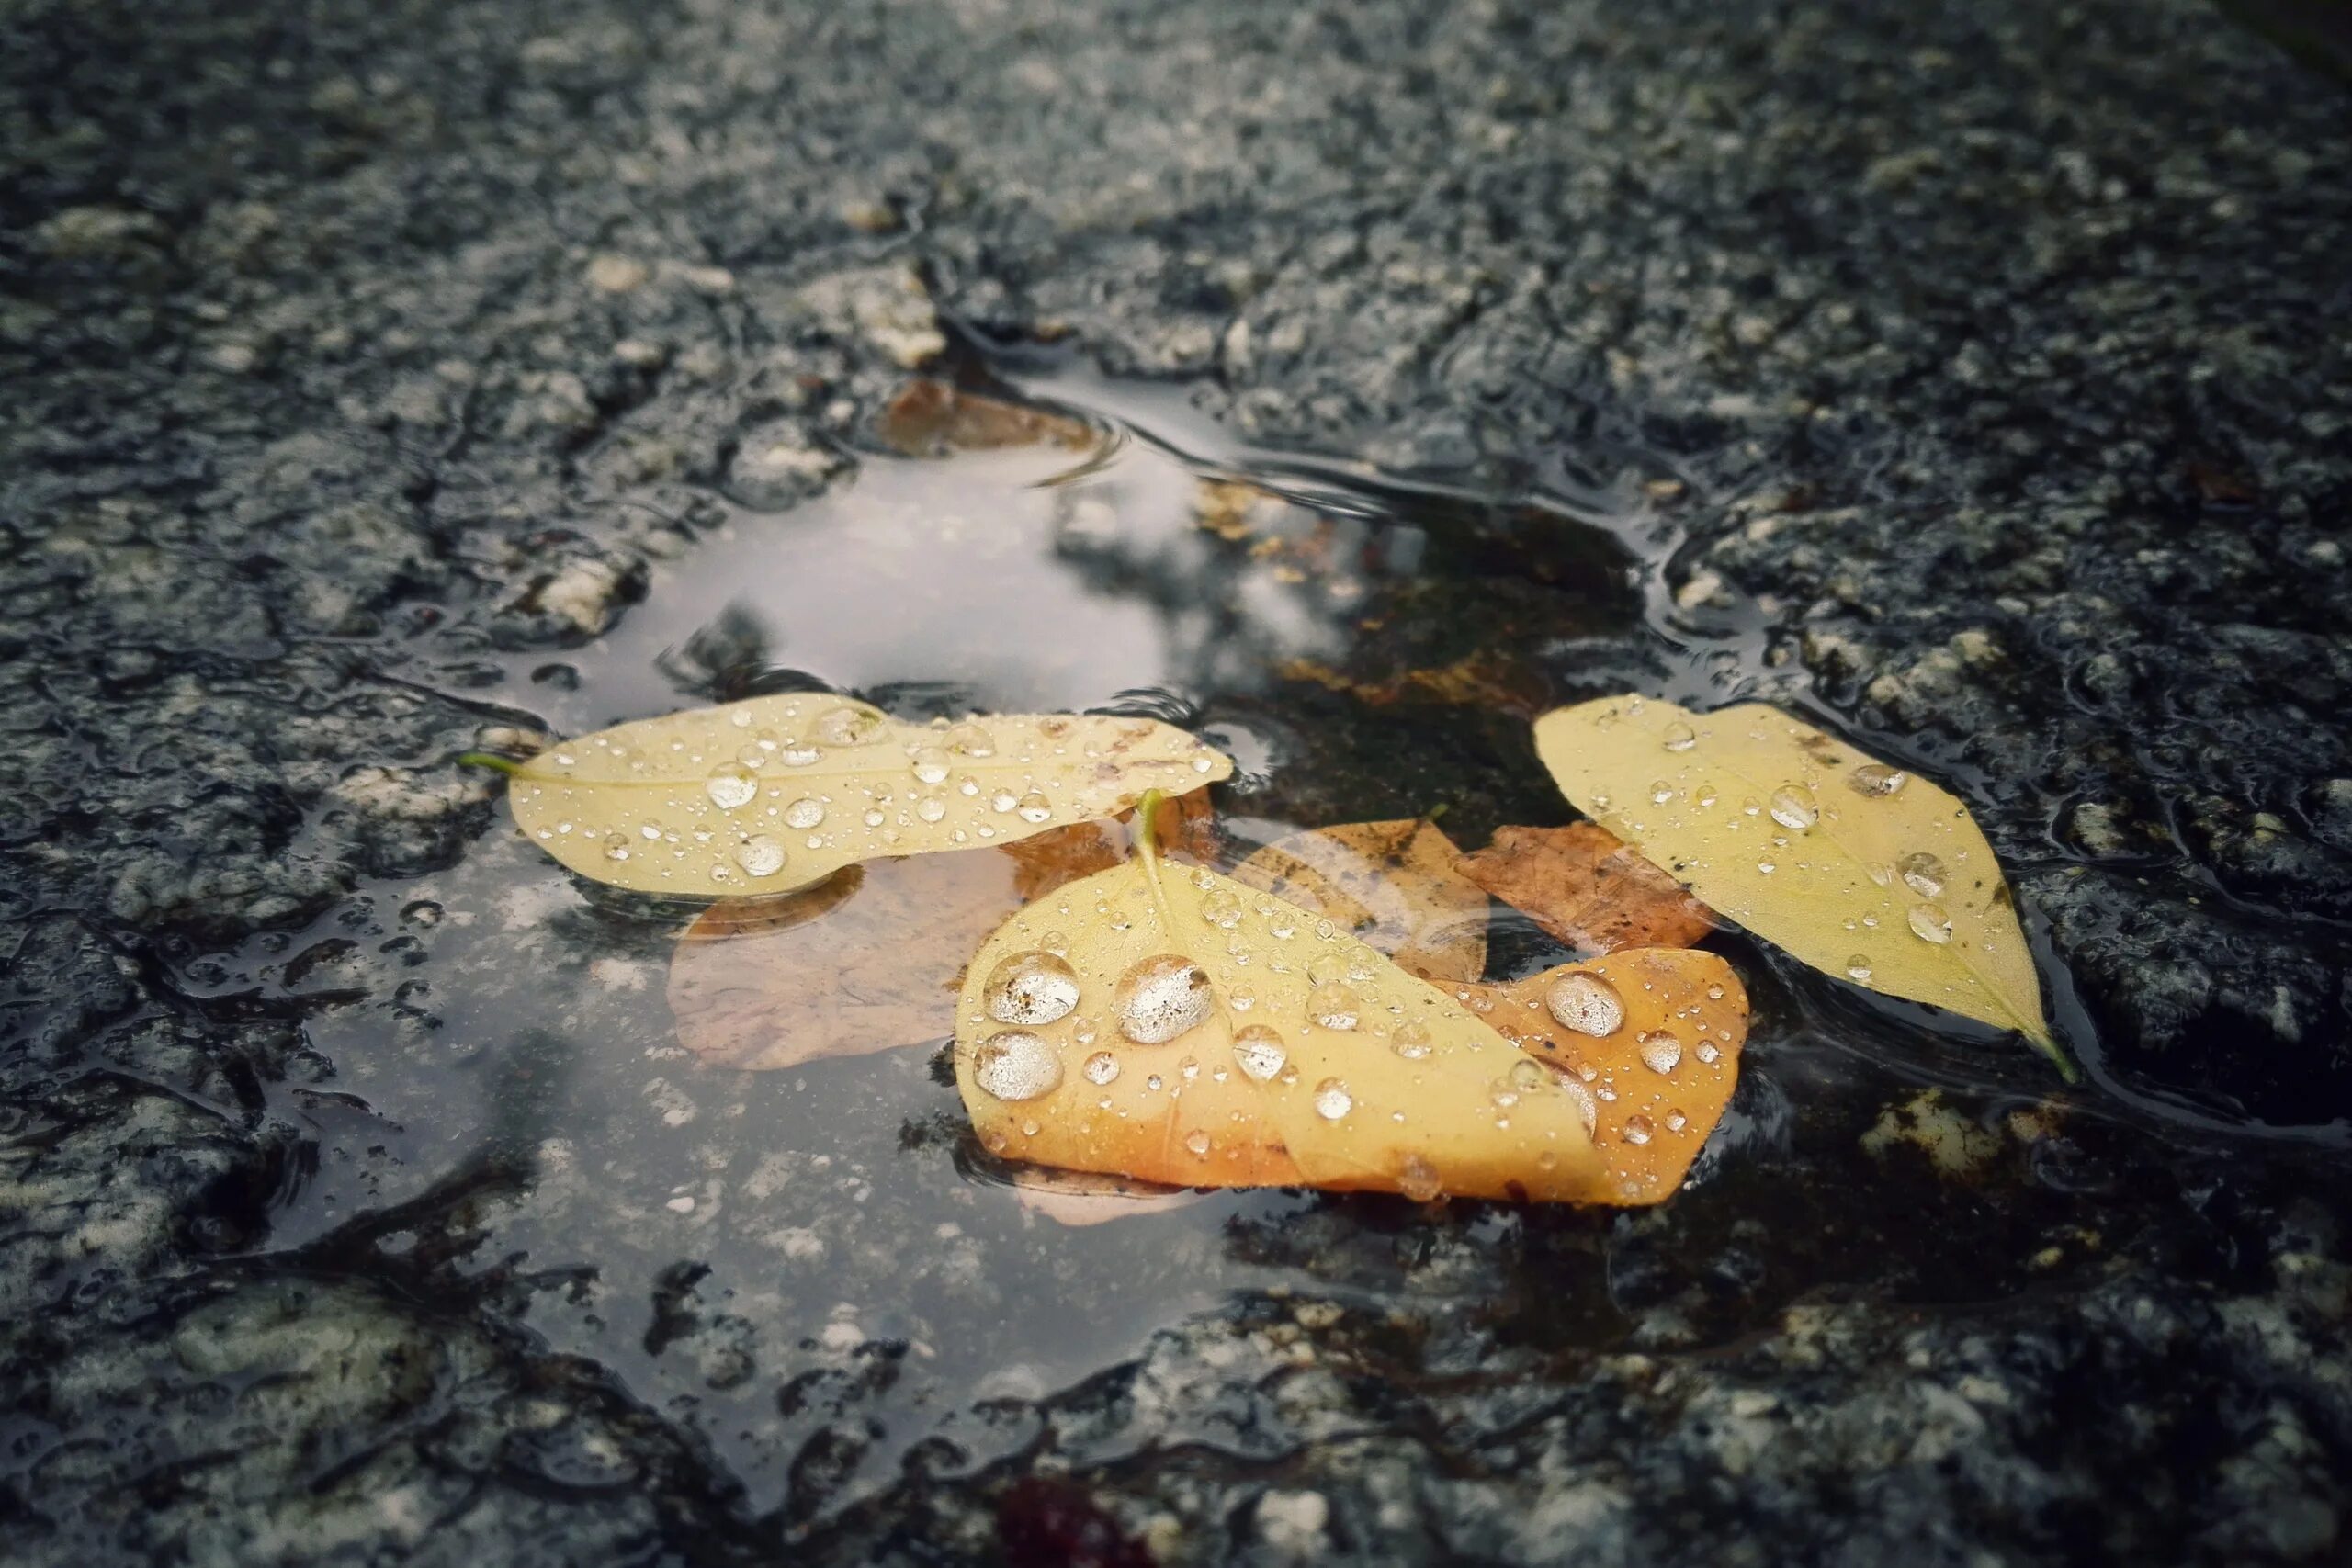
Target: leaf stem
[
  {"x": 1148, "y": 851},
  {"x": 506, "y": 765}
]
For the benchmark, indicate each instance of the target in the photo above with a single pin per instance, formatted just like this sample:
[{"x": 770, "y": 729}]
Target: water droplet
[
  {"x": 1281, "y": 922},
  {"x": 1706, "y": 796},
  {"x": 1197, "y": 1142},
  {"x": 1586, "y": 1003},
  {"x": 616, "y": 846},
  {"x": 1082, "y": 1030},
  {"x": 1676, "y": 1121},
  {"x": 800, "y": 753},
  {"x": 1334, "y": 1006},
  {"x": 760, "y": 856},
  {"x": 1528, "y": 1075},
  {"x": 1221, "y": 906},
  {"x": 1858, "y": 967},
  {"x": 846, "y": 726},
  {"x": 1705, "y": 1051},
  {"x": 1015, "y": 1065},
  {"x": 1160, "y": 997},
  {"x": 1930, "y": 923},
  {"x": 1035, "y": 807},
  {"x": 1680, "y": 736},
  {"x": 968, "y": 739},
  {"x": 930, "y": 764},
  {"x": 1637, "y": 1129},
  {"x": 731, "y": 785},
  {"x": 1410, "y": 1039},
  {"x": 872, "y": 818},
  {"x": 1767, "y": 867},
  {"x": 1417, "y": 1179},
  {"x": 1101, "y": 1067},
  {"x": 1794, "y": 809},
  {"x": 1714, "y": 993},
  {"x": 1922, "y": 873},
  {"x": 1661, "y": 1052},
  {"x": 1002, "y": 800},
  {"x": 1259, "y": 1052},
  {"x": 1326, "y": 969},
  {"x": 931, "y": 809},
  {"x": 1660, "y": 792},
  {"x": 1876, "y": 779},
  {"x": 1333, "y": 1100},
  {"x": 1241, "y": 999},
  {"x": 804, "y": 812},
  {"x": 1031, "y": 988},
  {"x": 1581, "y": 1098}
]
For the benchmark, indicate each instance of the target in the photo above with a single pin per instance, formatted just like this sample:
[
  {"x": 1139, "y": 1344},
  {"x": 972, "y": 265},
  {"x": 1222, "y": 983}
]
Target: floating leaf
[
  {"x": 1854, "y": 866},
  {"x": 1181, "y": 1027},
  {"x": 1588, "y": 889},
  {"x": 1646, "y": 1041},
  {"x": 1396, "y": 887},
  {"x": 781, "y": 792},
  {"x": 869, "y": 959}
]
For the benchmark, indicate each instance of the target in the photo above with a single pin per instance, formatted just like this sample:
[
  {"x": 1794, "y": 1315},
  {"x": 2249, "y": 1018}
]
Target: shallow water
[{"x": 812, "y": 1271}]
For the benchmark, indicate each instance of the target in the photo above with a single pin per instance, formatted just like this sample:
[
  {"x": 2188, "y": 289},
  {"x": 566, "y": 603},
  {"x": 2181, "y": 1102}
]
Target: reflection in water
[{"x": 807, "y": 1269}]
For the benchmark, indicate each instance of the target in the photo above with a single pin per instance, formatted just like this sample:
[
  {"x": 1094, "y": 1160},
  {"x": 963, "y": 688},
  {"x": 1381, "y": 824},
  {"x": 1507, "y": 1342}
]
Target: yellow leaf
[
  {"x": 1173, "y": 1025},
  {"x": 781, "y": 792},
  {"x": 1646, "y": 1041},
  {"x": 1855, "y": 867},
  {"x": 1396, "y": 887}
]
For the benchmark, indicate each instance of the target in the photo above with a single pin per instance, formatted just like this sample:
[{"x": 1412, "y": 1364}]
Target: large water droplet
[
  {"x": 800, "y": 753},
  {"x": 1035, "y": 807},
  {"x": 1197, "y": 1143},
  {"x": 760, "y": 856},
  {"x": 969, "y": 739},
  {"x": 1259, "y": 1052},
  {"x": 1680, "y": 736},
  {"x": 1930, "y": 923},
  {"x": 1410, "y": 1039},
  {"x": 731, "y": 785},
  {"x": 1859, "y": 966},
  {"x": 1637, "y": 1129},
  {"x": 1876, "y": 779},
  {"x": 1221, "y": 906},
  {"x": 616, "y": 846},
  {"x": 1160, "y": 997},
  {"x": 1660, "y": 792},
  {"x": 1031, "y": 988},
  {"x": 1922, "y": 873},
  {"x": 1793, "y": 807},
  {"x": 1661, "y": 1052},
  {"x": 1417, "y": 1178},
  {"x": 1101, "y": 1067},
  {"x": 1706, "y": 1051},
  {"x": 1015, "y": 1065},
  {"x": 931, "y": 809},
  {"x": 1528, "y": 1075},
  {"x": 930, "y": 764},
  {"x": 1326, "y": 969},
  {"x": 1581, "y": 1098},
  {"x": 1586, "y": 1003},
  {"x": 846, "y": 726},
  {"x": 1335, "y": 1006},
  {"x": 1333, "y": 1100},
  {"x": 806, "y": 812}
]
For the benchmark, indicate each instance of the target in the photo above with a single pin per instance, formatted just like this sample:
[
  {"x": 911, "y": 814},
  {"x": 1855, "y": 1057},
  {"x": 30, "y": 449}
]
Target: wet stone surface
[{"x": 435, "y": 377}]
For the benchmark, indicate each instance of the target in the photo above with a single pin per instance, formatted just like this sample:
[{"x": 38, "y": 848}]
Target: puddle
[{"x": 807, "y": 1269}]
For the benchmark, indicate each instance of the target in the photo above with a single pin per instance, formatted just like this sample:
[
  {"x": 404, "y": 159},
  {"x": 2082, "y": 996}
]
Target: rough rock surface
[{"x": 1985, "y": 367}]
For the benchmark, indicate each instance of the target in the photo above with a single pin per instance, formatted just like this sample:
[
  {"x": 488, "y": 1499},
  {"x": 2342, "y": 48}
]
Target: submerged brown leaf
[
  {"x": 1077, "y": 1198},
  {"x": 868, "y": 959},
  {"x": 1646, "y": 1041},
  {"x": 1588, "y": 889},
  {"x": 1395, "y": 887},
  {"x": 931, "y": 419}
]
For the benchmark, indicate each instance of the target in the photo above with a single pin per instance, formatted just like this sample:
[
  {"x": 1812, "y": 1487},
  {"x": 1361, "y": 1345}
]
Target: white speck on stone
[{"x": 1292, "y": 1522}]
